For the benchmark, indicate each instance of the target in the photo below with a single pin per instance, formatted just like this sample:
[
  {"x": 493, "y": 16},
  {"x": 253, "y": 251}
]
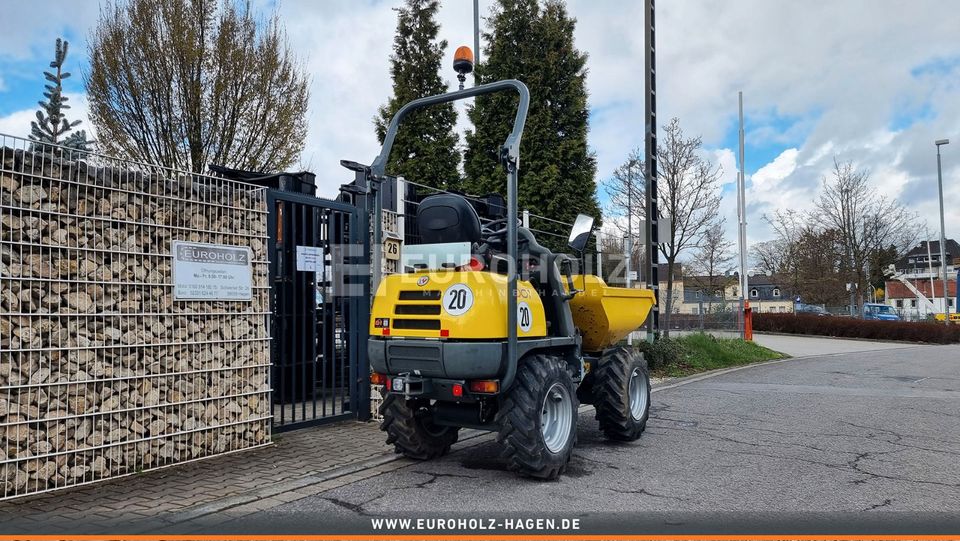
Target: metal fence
[{"x": 102, "y": 372}]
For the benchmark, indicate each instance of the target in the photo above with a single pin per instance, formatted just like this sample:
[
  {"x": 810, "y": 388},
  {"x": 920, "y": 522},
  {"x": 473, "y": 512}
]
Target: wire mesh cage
[{"x": 102, "y": 371}]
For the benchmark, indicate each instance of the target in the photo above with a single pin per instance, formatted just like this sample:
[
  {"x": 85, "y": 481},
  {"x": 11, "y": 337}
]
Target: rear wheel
[
  {"x": 538, "y": 418},
  {"x": 410, "y": 428},
  {"x": 621, "y": 394}
]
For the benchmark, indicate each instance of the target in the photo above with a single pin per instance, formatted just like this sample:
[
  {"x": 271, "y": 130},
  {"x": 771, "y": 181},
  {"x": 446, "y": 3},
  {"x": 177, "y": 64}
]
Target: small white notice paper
[{"x": 310, "y": 259}]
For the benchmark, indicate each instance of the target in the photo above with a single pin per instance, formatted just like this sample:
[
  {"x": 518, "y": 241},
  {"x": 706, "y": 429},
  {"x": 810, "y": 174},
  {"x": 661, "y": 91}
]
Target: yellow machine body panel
[
  {"x": 466, "y": 305},
  {"x": 606, "y": 314}
]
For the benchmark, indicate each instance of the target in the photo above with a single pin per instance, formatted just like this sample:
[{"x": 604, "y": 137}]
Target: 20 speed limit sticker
[
  {"x": 457, "y": 300},
  {"x": 524, "y": 316}
]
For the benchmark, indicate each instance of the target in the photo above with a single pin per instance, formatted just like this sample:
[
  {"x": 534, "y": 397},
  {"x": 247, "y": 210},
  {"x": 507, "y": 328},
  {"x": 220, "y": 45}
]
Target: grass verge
[{"x": 695, "y": 353}]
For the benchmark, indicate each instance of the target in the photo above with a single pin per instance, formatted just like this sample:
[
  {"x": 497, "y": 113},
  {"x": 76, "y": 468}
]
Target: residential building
[
  {"x": 922, "y": 260},
  {"x": 921, "y": 266},
  {"x": 912, "y": 307}
]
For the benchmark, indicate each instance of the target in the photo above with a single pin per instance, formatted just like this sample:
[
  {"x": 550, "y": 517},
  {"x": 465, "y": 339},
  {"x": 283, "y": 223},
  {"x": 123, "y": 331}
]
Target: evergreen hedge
[{"x": 847, "y": 327}]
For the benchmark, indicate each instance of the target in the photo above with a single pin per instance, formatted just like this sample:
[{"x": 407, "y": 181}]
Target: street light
[{"x": 943, "y": 240}]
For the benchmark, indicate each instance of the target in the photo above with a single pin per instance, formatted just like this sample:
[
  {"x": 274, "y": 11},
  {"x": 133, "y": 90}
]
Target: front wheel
[
  {"x": 410, "y": 428},
  {"x": 538, "y": 418},
  {"x": 621, "y": 394}
]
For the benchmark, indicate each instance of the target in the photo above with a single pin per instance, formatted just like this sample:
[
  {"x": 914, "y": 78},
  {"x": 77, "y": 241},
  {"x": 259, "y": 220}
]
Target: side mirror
[{"x": 580, "y": 233}]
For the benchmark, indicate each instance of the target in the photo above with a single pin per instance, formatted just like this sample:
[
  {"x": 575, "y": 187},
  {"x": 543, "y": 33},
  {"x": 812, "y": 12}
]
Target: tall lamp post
[{"x": 943, "y": 240}]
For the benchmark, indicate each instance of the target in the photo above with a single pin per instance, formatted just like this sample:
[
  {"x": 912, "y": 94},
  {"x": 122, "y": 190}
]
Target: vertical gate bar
[
  {"x": 361, "y": 376},
  {"x": 324, "y": 333},
  {"x": 336, "y": 366},
  {"x": 285, "y": 305},
  {"x": 314, "y": 216},
  {"x": 343, "y": 362},
  {"x": 302, "y": 305}
]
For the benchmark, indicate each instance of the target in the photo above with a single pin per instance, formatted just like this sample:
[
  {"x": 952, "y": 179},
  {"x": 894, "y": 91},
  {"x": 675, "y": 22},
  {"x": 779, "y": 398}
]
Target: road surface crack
[
  {"x": 884, "y": 503},
  {"x": 644, "y": 492},
  {"x": 433, "y": 478}
]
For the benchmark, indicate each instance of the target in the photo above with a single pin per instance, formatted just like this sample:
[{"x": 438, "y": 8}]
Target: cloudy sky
[{"x": 873, "y": 81}]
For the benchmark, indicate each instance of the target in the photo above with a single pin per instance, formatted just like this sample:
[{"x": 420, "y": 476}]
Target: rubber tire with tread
[
  {"x": 611, "y": 394},
  {"x": 404, "y": 424},
  {"x": 519, "y": 418}
]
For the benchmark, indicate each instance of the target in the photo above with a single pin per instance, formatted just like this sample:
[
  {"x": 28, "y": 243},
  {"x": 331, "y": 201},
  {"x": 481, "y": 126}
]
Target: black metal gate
[{"x": 320, "y": 294}]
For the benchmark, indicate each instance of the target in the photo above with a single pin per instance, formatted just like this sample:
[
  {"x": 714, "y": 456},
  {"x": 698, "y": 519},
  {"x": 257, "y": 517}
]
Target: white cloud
[
  {"x": 17, "y": 123},
  {"x": 27, "y": 29}
]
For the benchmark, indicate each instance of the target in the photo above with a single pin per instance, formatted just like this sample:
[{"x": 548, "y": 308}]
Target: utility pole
[
  {"x": 943, "y": 234},
  {"x": 476, "y": 35},
  {"x": 933, "y": 290},
  {"x": 628, "y": 244},
  {"x": 650, "y": 154},
  {"x": 742, "y": 230}
]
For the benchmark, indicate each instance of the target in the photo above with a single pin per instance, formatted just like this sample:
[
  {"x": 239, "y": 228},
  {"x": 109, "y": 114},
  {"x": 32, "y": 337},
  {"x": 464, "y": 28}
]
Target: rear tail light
[
  {"x": 474, "y": 265},
  {"x": 378, "y": 379},
  {"x": 486, "y": 386},
  {"x": 457, "y": 390}
]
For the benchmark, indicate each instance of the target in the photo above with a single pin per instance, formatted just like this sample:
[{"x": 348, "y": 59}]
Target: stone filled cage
[{"x": 102, "y": 372}]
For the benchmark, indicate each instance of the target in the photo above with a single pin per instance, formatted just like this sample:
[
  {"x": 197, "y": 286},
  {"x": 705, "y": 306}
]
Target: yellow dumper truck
[{"x": 486, "y": 328}]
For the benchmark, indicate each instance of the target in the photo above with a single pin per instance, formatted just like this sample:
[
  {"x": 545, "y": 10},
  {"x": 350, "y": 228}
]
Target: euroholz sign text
[{"x": 211, "y": 272}]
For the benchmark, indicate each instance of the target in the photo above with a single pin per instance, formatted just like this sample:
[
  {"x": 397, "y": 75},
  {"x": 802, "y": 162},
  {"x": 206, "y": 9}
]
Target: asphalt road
[{"x": 852, "y": 436}]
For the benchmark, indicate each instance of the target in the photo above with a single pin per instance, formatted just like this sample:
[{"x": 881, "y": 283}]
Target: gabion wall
[{"x": 102, "y": 373}]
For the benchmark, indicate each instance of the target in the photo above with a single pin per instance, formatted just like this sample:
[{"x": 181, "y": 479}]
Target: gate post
[{"x": 360, "y": 325}]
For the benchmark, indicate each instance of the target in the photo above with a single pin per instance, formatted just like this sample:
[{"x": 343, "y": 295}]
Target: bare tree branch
[{"x": 188, "y": 83}]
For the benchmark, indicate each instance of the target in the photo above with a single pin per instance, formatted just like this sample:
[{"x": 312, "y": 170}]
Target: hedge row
[{"x": 845, "y": 327}]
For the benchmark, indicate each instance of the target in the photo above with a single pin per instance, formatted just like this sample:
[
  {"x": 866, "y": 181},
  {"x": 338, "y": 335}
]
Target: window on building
[
  {"x": 776, "y": 292},
  {"x": 899, "y": 303},
  {"x": 735, "y": 292},
  {"x": 951, "y": 303},
  {"x": 754, "y": 293},
  {"x": 699, "y": 293},
  {"x": 913, "y": 303},
  {"x": 696, "y": 310}
]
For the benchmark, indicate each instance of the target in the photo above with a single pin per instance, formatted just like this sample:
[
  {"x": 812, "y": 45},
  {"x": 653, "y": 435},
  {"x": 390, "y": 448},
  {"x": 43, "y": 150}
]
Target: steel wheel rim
[
  {"x": 556, "y": 417},
  {"x": 638, "y": 394}
]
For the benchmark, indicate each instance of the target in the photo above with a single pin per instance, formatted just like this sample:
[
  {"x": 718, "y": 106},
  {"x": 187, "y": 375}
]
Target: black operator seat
[{"x": 447, "y": 217}]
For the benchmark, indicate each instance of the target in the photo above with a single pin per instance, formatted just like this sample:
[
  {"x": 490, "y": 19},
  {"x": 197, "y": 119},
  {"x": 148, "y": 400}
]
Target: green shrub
[
  {"x": 661, "y": 353},
  {"x": 846, "y": 327}
]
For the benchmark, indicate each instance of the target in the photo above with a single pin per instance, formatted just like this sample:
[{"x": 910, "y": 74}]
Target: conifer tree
[
  {"x": 425, "y": 149},
  {"x": 534, "y": 44},
  {"x": 52, "y": 125}
]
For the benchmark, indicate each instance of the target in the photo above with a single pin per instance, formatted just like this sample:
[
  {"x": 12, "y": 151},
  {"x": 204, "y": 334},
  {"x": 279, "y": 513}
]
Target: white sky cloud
[{"x": 17, "y": 123}]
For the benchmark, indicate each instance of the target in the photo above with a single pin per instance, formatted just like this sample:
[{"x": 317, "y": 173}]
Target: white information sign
[
  {"x": 211, "y": 272},
  {"x": 309, "y": 259}
]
